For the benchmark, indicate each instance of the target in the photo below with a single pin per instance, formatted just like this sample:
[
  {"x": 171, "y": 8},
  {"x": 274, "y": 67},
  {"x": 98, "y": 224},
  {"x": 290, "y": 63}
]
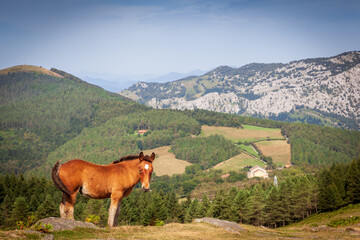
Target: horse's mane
[
  {"x": 126, "y": 158},
  {"x": 131, "y": 157}
]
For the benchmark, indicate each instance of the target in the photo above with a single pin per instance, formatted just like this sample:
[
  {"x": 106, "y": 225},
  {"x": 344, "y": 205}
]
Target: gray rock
[
  {"x": 60, "y": 224},
  {"x": 29, "y": 231},
  {"x": 227, "y": 225},
  {"x": 48, "y": 237}
]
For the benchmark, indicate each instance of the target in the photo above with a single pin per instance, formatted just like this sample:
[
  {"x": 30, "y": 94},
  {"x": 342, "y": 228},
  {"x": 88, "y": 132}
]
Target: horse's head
[{"x": 145, "y": 170}]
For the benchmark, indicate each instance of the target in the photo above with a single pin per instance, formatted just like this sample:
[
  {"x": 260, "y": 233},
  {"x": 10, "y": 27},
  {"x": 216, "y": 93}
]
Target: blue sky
[{"x": 126, "y": 38}]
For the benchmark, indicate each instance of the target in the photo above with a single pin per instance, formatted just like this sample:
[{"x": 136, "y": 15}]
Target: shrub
[
  {"x": 41, "y": 227},
  {"x": 26, "y": 224},
  {"x": 93, "y": 219},
  {"x": 344, "y": 221},
  {"x": 159, "y": 223}
]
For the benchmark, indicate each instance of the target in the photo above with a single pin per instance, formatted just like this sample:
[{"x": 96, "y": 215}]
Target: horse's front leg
[
  {"x": 114, "y": 208},
  {"x": 116, "y": 219}
]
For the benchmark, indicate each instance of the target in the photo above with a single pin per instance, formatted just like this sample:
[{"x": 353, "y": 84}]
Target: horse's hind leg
[{"x": 67, "y": 206}]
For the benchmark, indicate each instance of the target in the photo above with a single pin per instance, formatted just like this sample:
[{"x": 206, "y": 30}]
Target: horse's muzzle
[{"x": 145, "y": 189}]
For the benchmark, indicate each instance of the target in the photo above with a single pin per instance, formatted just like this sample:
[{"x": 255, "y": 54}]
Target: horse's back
[{"x": 78, "y": 173}]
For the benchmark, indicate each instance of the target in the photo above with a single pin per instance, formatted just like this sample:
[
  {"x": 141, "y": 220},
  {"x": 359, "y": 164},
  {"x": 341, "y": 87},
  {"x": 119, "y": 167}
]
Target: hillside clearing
[
  {"x": 239, "y": 162},
  {"x": 279, "y": 150},
  {"x": 130, "y": 95},
  {"x": 248, "y": 133},
  {"x": 166, "y": 163}
]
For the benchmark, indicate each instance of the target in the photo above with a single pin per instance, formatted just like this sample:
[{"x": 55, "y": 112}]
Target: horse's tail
[{"x": 56, "y": 179}]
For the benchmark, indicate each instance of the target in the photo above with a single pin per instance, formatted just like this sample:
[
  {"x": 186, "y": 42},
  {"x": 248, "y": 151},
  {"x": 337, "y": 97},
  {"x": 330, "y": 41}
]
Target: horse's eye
[{"x": 140, "y": 170}]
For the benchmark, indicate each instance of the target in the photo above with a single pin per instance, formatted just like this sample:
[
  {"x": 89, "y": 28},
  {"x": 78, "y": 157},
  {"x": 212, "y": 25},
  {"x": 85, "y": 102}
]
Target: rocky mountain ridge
[{"x": 326, "y": 89}]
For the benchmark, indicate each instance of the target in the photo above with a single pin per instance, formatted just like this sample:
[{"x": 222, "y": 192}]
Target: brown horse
[{"x": 115, "y": 180}]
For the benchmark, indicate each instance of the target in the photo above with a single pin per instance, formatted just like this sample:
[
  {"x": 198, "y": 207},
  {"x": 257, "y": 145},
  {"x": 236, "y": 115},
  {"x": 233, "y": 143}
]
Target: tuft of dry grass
[
  {"x": 29, "y": 68},
  {"x": 165, "y": 162}
]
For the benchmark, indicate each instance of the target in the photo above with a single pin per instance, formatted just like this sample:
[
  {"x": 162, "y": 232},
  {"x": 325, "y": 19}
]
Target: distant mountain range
[
  {"x": 116, "y": 83},
  {"x": 323, "y": 91}
]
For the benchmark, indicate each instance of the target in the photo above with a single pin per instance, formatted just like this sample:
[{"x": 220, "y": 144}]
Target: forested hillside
[
  {"x": 119, "y": 136},
  {"x": 321, "y": 145},
  {"x": 40, "y": 112}
]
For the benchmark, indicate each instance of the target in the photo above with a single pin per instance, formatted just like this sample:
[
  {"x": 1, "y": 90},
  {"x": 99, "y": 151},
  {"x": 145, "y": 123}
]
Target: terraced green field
[
  {"x": 249, "y": 149},
  {"x": 239, "y": 162}
]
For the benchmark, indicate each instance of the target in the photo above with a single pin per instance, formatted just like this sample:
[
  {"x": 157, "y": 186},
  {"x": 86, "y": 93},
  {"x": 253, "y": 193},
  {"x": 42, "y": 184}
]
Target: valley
[{"x": 203, "y": 159}]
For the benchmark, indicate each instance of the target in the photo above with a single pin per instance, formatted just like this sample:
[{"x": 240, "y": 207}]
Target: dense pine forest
[
  {"x": 46, "y": 118},
  {"x": 206, "y": 152}
]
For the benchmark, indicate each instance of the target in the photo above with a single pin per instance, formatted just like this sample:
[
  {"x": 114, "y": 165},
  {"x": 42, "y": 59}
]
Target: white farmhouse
[{"x": 257, "y": 172}]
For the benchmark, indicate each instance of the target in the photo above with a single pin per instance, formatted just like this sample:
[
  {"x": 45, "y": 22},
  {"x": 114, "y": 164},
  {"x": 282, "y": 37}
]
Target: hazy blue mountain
[{"x": 116, "y": 83}]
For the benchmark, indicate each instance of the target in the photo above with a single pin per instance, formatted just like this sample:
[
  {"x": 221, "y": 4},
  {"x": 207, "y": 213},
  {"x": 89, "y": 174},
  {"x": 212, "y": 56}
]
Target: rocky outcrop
[
  {"x": 323, "y": 85},
  {"x": 224, "y": 102},
  {"x": 60, "y": 224}
]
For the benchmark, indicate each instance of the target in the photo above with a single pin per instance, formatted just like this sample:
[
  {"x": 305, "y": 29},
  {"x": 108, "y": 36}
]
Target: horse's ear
[
  {"x": 141, "y": 156},
  {"x": 152, "y": 157}
]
